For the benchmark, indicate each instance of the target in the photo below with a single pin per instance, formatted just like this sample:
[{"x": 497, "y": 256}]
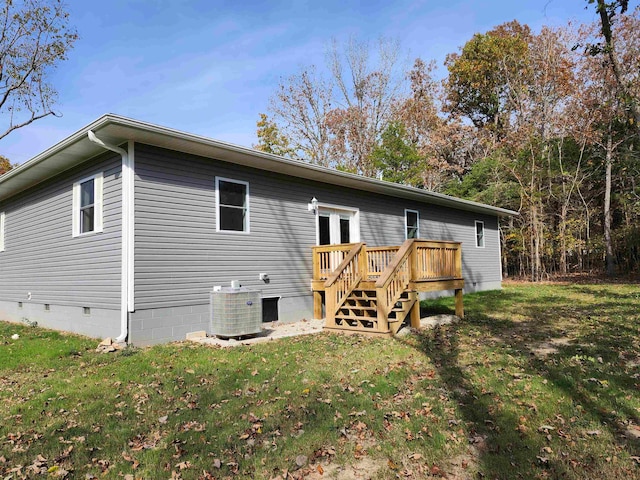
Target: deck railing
[
  {"x": 430, "y": 260},
  {"x": 378, "y": 259},
  {"x": 436, "y": 260},
  {"x": 345, "y": 278},
  {"x": 395, "y": 279},
  {"x": 326, "y": 258},
  {"x": 417, "y": 265}
]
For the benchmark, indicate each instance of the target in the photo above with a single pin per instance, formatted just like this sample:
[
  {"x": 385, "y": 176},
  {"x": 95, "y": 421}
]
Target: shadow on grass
[{"x": 587, "y": 372}]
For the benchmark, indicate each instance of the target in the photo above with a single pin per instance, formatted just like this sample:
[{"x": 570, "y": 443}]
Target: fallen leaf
[{"x": 301, "y": 460}]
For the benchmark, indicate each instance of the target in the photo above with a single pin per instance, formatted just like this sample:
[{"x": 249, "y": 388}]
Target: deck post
[
  {"x": 330, "y": 307},
  {"x": 363, "y": 262},
  {"x": 317, "y": 304},
  {"x": 459, "y": 304},
  {"x": 415, "y": 311},
  {"x": 382, "y": 315}
]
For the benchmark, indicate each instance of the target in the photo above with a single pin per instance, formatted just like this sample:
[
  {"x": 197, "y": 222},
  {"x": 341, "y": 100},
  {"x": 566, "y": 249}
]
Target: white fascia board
[{"x": 121, "y": 129}]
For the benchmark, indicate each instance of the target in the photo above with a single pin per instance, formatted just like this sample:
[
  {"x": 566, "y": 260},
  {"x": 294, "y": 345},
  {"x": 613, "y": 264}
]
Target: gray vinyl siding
[
  {"x": 43, "y": 258},
  {"x": 179, "y": 256}
]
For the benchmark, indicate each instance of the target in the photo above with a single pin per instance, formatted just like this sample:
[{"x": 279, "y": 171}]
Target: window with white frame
[
  {"x": 412, "y": 224},
  {"x": 87, "y": 205},
  {"x": 1, "y": 231},
  {"x": 232, "y": 205},
  {"x": 479, "y": 234}
]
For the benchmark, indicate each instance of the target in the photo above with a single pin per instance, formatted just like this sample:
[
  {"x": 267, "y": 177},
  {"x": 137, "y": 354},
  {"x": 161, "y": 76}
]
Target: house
[{"x": 123, "y": 228}]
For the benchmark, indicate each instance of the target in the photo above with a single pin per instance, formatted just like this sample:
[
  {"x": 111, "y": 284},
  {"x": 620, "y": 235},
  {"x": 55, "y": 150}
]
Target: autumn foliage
[{"x": 541, "y": 122}]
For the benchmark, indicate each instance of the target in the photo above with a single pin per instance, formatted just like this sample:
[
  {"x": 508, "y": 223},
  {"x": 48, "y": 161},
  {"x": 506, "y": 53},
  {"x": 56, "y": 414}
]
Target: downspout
[{"x": 127, "y": 286}]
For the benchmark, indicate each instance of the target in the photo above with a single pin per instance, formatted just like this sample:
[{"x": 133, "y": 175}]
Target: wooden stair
[
  {"x": 360, "y": 313},
  {"x": 375, "y": 291}
]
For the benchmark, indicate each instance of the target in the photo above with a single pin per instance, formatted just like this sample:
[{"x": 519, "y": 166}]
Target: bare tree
[
  {"x": 35, "y": 36},
  {"x": 300, "y": 108},
  {"x": 336, "y": 119}
]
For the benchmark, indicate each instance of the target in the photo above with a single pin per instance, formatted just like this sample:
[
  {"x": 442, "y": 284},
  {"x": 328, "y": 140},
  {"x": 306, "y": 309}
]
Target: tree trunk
[
  {"x": 536, "y": 270},
  {"x": 563, "y": 239},
  {"x": 609, "y": 257},
  {"x": 607, "y": 33}
]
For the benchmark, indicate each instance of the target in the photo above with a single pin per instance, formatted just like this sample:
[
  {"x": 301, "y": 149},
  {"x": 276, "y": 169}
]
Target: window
[
  {"x": 232, "y": 199},
  {"x": 412, "y": 224},
  {"x": 479, "y": 234},
  {"x": 87, "y": 205},
  {"x": 1, "y": 231}
]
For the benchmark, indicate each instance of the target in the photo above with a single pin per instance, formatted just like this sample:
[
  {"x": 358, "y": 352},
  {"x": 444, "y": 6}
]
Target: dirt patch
[
  {"x": 464, "y": 466},
  {"x": 550, "y": 347},
  {"x": 366, "y": 467}
]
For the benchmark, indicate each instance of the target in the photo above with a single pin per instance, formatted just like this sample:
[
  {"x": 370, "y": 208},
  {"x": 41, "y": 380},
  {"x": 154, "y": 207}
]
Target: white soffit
[{"x": 77, "y": 149}]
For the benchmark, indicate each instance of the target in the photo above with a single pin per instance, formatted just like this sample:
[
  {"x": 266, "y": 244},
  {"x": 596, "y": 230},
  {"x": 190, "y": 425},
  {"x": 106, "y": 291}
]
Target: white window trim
[
  {"x": 98, "y": 187},
  {"x": 247, "y": 218},
  {"x": 354, "y": 223},
  {"x": 406, "y": 226},
  {"x": 2, "y": 231},
  {"x": 475, "y": 234}
]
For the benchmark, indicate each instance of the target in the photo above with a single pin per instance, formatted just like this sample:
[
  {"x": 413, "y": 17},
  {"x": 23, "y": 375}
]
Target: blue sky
[{"x": 209, "y": 67}]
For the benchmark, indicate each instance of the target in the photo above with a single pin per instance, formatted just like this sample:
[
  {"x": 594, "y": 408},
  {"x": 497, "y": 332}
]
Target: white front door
[{"x": 337, "y": 225}]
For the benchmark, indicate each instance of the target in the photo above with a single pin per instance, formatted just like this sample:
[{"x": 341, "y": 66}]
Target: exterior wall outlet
[{"x": 264, "y": 277}]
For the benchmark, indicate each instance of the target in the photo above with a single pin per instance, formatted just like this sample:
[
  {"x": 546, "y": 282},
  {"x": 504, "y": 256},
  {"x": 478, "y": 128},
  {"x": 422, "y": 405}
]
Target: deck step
[
  {"x": 357, "y": 307},
  {"x": 362, "y": 319}
]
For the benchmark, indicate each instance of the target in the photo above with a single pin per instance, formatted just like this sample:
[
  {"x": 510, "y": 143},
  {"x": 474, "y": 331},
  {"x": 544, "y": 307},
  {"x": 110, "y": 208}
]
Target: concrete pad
[
  {"x": 270, "y": 331},
  {"x": 198, "y": 334},
  {"x": 437, "y": 320},
  {"x": 431, "y": 322}
]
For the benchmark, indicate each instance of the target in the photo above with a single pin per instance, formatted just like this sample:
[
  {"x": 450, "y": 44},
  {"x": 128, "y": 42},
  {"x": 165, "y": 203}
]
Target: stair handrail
[
  {"x": 387, "y": 298},
  {"x": 344, "y": 280},
  {"x": 392, "y": 268},
  {"x": 343, "y": 265}
]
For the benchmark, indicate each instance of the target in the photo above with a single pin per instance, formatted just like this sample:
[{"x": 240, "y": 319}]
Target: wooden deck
[{"x": 374, "y": 290}]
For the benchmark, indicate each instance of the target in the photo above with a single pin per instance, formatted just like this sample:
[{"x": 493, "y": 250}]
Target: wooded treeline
[{"x": 544, "y": 123}]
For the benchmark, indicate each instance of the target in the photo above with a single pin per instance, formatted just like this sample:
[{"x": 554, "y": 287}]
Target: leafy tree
[
  {"x": 479, "y": 79},
  {"x": 607, "y": 12},
  {"x": 35, "y": 38},
  {"x": 270, "y": 140},
  {"x": 397, "y": 159},
  {"x": 5, "y": 165}
]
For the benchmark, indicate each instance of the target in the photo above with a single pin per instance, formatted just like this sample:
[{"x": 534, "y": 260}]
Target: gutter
[{"x": 127, "y": 276}]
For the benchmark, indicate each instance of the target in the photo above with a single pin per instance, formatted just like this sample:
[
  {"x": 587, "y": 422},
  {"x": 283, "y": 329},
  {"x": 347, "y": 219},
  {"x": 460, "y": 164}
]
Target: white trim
[
  {"x": 406, "y": 226},
  {"x": 475, "y": 234},
  {"x": 2, "y": 216},
  {"x": 334, "y": 211},
  {"x": 127, "y": 238},
  {"x": 129, "y": 178},
  {"x": 76, "y": 149},
  {"x": 247, "y": 223},
  {"x": 500, "y": 249},
  {"x": 98, "y": 192}
]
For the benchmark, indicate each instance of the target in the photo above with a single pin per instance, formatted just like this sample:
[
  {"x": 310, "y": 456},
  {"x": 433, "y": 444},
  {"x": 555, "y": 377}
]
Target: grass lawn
[{"x": 539, "y": 381}]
